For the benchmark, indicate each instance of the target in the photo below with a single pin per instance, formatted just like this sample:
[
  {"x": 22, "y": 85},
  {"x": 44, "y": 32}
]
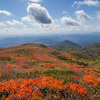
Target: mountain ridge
[{"x": 66, "y": 44}]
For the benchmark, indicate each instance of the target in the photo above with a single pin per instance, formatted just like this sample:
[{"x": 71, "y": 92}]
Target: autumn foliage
[
  {"x": 35, "y": 72},
  {"x": 30, "y": 88},
  {"x": 92, "y": 79}
]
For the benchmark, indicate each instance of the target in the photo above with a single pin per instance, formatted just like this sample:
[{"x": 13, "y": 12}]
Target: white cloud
[
  {"x": 5, "y": 12},
  {"x": 14, "y": 22},
  {"x": 35, "y": 0},
  {"x": 69, "y": 21},
  {"x": 39, "y": 13},
  {"x": 38, "y": 29},
  {"x": 87, "y": 2},
  {"x": 95, "y": 28},
  {"x": 82, "y": 16},
  {"x": 26, "y": 19},
  {"x": 98, "y": 15},
  {"x": 2, "y": 24},
  {"x": 9, "y": 29}
]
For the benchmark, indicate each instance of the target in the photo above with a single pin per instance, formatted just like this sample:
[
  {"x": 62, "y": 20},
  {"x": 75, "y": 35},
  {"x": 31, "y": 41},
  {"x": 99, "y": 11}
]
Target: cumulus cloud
[
  {"x": 98, "y": 15},
  {"x": 5, "y": 12},
  {"x": 2, "y": 24},
  {"x": 35, "y": 0},
  {"x": 26, "y": 19},
  {"x": 69, "y": 21},
  {"x": 82, "y": 16},
  {"x": 87, "y": 2},
  {"x": 14, "y": 22},
  {"x": 39, "y": 13}
]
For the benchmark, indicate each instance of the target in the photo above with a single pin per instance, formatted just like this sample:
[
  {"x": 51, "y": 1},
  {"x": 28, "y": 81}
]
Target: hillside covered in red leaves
[{"x": 37, "y": 72}]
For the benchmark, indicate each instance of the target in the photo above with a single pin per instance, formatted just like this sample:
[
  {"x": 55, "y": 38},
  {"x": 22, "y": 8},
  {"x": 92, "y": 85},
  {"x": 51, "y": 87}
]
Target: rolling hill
[
  {"x": 92, "y": 50},
  {"x": 66, "y": 44},
  {"x": 38, "y": 72},
  {"x": 39, "y": 50},
  {"x": 77, "y": 54}
]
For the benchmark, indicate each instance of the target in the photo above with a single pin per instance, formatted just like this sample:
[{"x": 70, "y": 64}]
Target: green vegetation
[
  {"x": 47, "y": 62},
  {"x": 54, "y": 53},
  {"x": 97, "y": 89},
  {"x": 56, "y": 77},
  {"x": 67, "y": 59},
  {"x": 56, "y": 72},
  {"x": 66, "y": 80},
  {"x": 37, "y": 72},
  {"x": 93, "y": 51},
  {"x": 23, "y": 51},
  {"x": 66, "y": 45},
  {"x": 98, "y": 71},
  {"x": 5, "y": 58},
  {"x": 77, "y": 54},
  {"x": 43, "y": 46}
]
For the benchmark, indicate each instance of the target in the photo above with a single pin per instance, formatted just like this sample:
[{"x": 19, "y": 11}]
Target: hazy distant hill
[
  {"x": 21, "y": 40},
  {"x": 51, "y": 39},
  {"x": 48, "y": 42},
  {"x": 81, "y": 39},
  {"x": 65, "y": 45}
]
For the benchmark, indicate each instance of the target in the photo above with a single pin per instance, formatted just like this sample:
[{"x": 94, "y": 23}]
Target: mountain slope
[
  {"x": 66, "y": 44},
  {"x": 40, "y": 52},
  {"x": 35, "y": 71},
  {"x": 92, "y": 50},
  {"x": 77, "y": 54}
]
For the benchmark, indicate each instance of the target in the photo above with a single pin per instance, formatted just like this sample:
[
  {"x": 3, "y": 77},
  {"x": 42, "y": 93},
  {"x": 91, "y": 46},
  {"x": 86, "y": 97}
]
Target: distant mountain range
[
  {"x": 8, "y": 42},
  {"x": 51, "y": 40}
]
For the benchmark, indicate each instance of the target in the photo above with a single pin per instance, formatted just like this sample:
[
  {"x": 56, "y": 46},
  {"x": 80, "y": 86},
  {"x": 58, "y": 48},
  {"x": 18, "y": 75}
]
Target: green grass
[
  {"x": 47, "y": 62},
  {"x": 66, "y": 80},
  {"x": 37, "y": 72},
  {"x": 56, "y": 77},
  {"x": 57, "y": 72}
]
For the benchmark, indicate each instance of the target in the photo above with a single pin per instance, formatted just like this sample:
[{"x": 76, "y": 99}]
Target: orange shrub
[
  {"x": 91, "y": 79},
  {"x": 75, "y": 89}
]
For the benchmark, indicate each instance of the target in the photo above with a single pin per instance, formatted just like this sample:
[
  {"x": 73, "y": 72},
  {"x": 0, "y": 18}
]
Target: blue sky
[{"x": 26, "y": 17}]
